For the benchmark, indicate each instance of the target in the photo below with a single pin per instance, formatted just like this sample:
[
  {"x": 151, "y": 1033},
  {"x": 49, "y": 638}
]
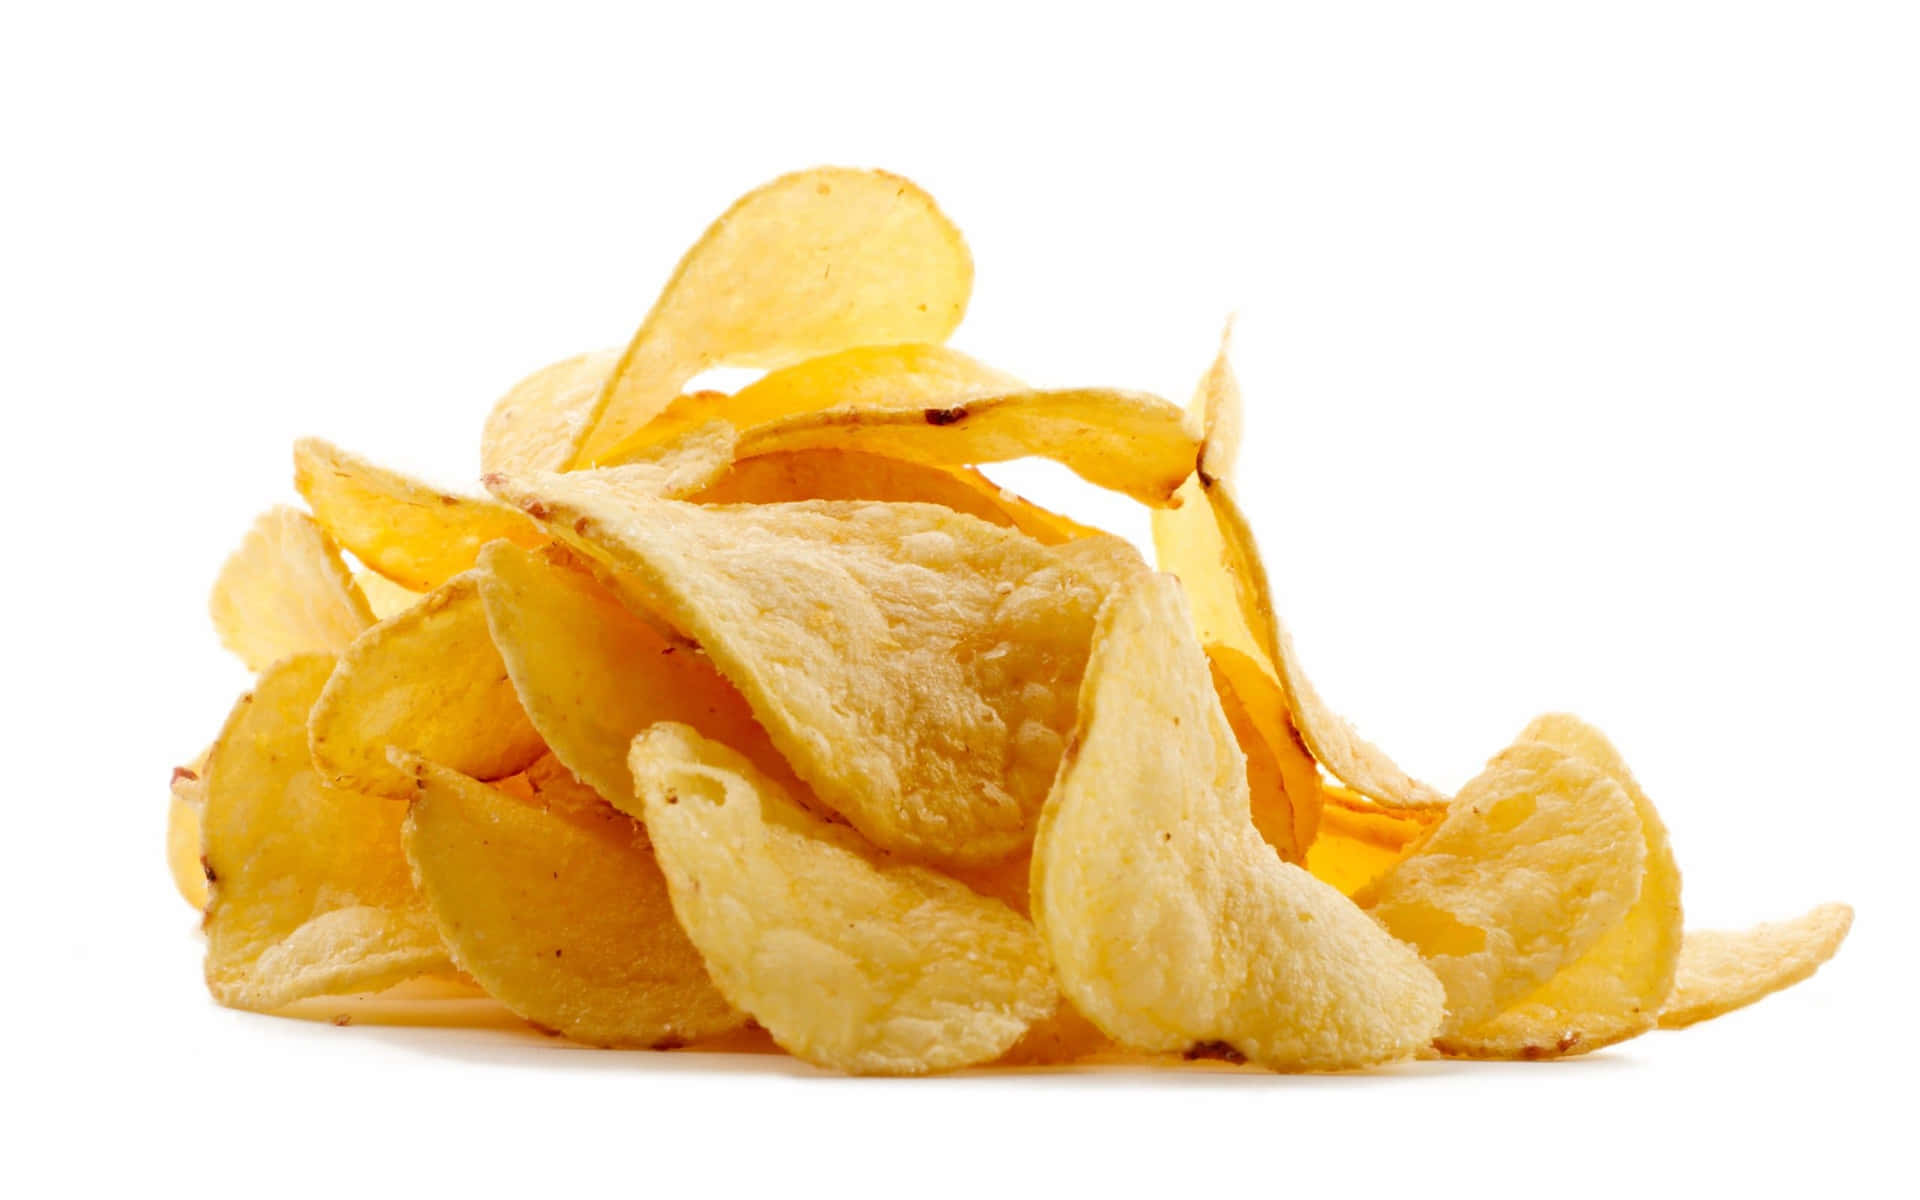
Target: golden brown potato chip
[
  {"x": 384, "y": 596},
  {"x": 286, "y": 591},
  {"x": 1171, "y": 923},
  {"x": 1359, "y": 841},
  {"x": 186, "y": 800},
  {"x": 849, "y": 960},
  {"x": 814, "y": 262},
  {"x": 308, "y": 891},
  {"x": 1724, "y": 970},
  {"x": 430, "y": 682},
  {"x": 535, "y": 426},
  {"x": 591, "y": 676},
  {"x": 1127, "y": 441},
  {"x": 1263, "y": 708},
  {"x": 558, "y": 910},
  {"x": 1538, "y": 856},
  {"x": 909, "y": 377},
  {"x": 1616, "y": 989},
  {"x": 413, "y": 534},
  {"x": 1272, "y": 811},
  {"x": 915, "y": 666}
]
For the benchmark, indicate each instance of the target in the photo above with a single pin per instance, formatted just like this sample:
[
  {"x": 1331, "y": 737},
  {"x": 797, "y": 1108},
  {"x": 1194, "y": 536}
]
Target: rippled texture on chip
[
  {"x": 591, "y": 675},
  {"x": 814, "y": 262},
  {"x": 1537, "y": 857},
  {"x": 1359, "y": 841},
  {"x": 1616, "y": 989},
  {"x": 915, "y": 666},
  {"x": 557, "y": 908},
  {"x": 1724, "y": 970},
  {"x": 186, "y": 800},
  {"x": 849, "y": 960},
  {"x": 1171, "y": 923},
  {"x": 427, "y": 681},
  {"x": 416, "y": 535},
  {"x": 308, "y": 891},
  {"x": 286, "y": 591},
  {"x": 535, "y": 426}
]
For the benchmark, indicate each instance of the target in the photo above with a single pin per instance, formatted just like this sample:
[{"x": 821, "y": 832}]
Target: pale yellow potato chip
[
  {"x": 849, "y": 960},
  {"x": 1616, "y": 989},
  {"x": 427, "y": 681},
  {"x": 1171, "y": 923},
  {"x": 1359, "y": 841},
  {"x": 535, "y": 426},
  {"x": 1537, "y": 857},
  {"x": 908, "y": 377},
  {"x": 384, "y": 596},
  {"x": 308, "y": 891},
  {"x": 1218, "y": 408},
  {"x": 915, "y": 666},
  {"x": 1724, "y": 970},
  {"x": 814, "y": 262},
  {"x": 414, "y": 534},
  {"x": 1131, "y": 442},
  {"x": 557, "y": 908},
  {"x": 286, "y": 591},
  {"x": 186, "y": 800},
  {"x": 591, "y": 675}
]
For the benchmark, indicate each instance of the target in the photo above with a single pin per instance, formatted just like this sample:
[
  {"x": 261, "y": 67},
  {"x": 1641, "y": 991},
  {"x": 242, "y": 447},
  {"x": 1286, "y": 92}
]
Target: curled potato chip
[
  {"x": 428, "y": 681},
  {"x": 557, "y": 908},
  {"x": 1724, "y": 970},
  {"x": 1358, "y": 841},
  {"x": 1171, "y": 924},
  {"x": 1218, "y": 408},
  {"x": 1127, "y": 441},
  {"x": 814, "y": 262},
  {"x": 308, "y": 891},
  {"x": 1616, "y": 989},
  {"x": 916, "y": 667},
  {"x": 413, "y": 534},
  {"x": 591, "y": 676},
  {"x": 285, "y": 591},
  {"x": 535, "y": 426},
  {"x": 1538, "y": 856},
  {"x": 850, "y": 961},
  {"x": 186, "y": 800},
  {"x": 1263, "y": 709},
  {"x": 384, "y": 596}
]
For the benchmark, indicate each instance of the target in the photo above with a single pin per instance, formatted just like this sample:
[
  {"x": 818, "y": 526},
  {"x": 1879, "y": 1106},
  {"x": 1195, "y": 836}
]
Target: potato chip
[
  {"x": 187, "y": 798},
  {"x": 1538, "y": 856},
  {"x": 429, "y": 682},
  {"x": 535, "y": 426},
  {"x": 1724, "y": 970},
  {"x": 1616, "y": 989},
  {"x": 591, "y": 675},
  {"x": 1263, "y": 708},
  {"x": 1220, "y": 412},
  {"x": 1271, "y": 810},
  {"x": 384, "y": 596},
  {"x": 559, "y": 911},
  {"x": 1171, "y": 923},
  {"x": 286, "y": 591},
  {"x": 814, "y": 262},
  {"x": 849, "y": 960},
  {"x": 413, "y": 534},
  {"x": 915, "y": 666},
  {"x": 308, "y": 891},
  {"x": 1358, "y": 841},
  {"x": 1131, "y": 442},
  {"x": 908, "y": 377}
]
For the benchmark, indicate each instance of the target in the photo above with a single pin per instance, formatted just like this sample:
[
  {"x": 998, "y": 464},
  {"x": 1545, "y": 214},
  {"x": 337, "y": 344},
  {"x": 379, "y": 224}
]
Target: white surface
[{"x": 1581, "y": 366}]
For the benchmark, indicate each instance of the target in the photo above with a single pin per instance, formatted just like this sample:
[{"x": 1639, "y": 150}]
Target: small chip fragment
[
  {"x": 1724, "y": 970},
  {"x": 286, "y": 591}
]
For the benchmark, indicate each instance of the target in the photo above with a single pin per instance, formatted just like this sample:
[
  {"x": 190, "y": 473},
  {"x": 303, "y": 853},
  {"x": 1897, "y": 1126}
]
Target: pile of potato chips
[{"x": 769, "y": 710}]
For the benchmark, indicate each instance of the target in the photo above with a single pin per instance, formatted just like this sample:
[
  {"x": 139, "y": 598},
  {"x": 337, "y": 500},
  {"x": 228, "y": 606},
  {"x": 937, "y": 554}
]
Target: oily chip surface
[
  {"x": 1171, "y": 924},
  {"x": 1724, "y": 970},
  {"x": 308, "y": 891},
  {"x": 850, "y": 960},
  {"x": 286, "y": 590}
]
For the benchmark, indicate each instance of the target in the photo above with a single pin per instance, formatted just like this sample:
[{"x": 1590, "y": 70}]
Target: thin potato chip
[
  {"x": 384, "y": 596},
  {"x": 535, "y": 426},
  {"x": 1172, "y": 925},
  {"x": 1131, "y": 442},
  {"x": 917, "y": 667},
  {"x": 1218, "y": 408},
  {"x": 1615, "y": 990},
  {"x": 413, "y": 534},
  {"x": 850, "y": 961},
  {"x": 1539, "y": 855},
  {"x": 592, "y": 676},
  {"x": 1263, "y": 708},
  {"x": 814, "y": 262},
  {"x": 187, "y": 799},
  {"x": 1272, "y": 811},
  {"x": 308, "y": 891},
  {"x": 1358, "y": 841},
  {"x": 429, "y": 682},
  {"x": 559, "y": 911},
  {"x": 286, "y": 591},
  {"x": 1722, "y": 970}
]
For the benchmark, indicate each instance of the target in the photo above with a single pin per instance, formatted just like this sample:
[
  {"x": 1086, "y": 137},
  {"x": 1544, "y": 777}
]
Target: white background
[{"x": 1579, "y": 345}]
